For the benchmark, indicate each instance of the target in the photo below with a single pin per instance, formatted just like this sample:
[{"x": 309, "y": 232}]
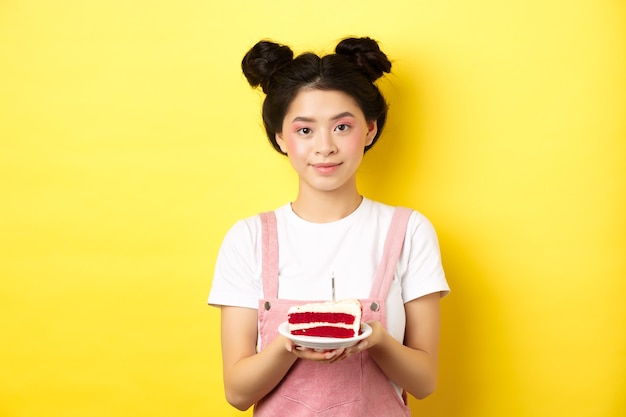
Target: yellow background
[{"x": 130, "y": 142}]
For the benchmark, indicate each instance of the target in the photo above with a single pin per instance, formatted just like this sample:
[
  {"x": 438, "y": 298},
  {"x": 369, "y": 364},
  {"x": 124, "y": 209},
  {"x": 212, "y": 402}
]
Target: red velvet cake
[{"x": 339, "y": 319}]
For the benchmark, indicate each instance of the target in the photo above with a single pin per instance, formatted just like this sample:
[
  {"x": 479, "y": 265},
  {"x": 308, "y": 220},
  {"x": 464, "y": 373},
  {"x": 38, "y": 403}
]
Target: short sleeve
[
  {"x": 237, "y": 276},
  {"x": 422, "y": 268}
]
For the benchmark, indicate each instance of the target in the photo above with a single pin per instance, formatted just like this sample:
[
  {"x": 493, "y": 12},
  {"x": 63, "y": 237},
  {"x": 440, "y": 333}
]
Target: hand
[
  {"x": 372, "y": 340},
  {"x": 318, "y": 355}
]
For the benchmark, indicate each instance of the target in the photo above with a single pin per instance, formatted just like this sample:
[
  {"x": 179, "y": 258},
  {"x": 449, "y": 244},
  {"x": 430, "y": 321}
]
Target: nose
[{"x": 325, "y": 144}]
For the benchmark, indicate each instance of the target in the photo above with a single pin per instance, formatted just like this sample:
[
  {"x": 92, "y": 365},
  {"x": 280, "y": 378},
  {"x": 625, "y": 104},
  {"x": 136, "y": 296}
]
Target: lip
[{"x": 326, "y": 167}]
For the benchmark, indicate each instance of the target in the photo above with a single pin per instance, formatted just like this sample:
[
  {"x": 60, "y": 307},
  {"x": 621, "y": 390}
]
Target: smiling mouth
[
  {"x": 326, "y": 165},
  {"x": 326, "y": 168}
]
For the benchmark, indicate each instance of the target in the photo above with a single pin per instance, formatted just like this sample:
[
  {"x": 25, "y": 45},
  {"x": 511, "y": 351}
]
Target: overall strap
[
  {"x": 269, "y": 250},
  {"x": 391, "y": 252}
]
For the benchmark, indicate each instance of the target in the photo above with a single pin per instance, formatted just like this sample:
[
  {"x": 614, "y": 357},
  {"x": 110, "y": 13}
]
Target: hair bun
[
  {"x": 263, "y": 60},
  {"x": 365, "y": 54}
]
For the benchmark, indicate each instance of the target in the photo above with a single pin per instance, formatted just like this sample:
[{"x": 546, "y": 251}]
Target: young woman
[{"x": 324, "y": 113}]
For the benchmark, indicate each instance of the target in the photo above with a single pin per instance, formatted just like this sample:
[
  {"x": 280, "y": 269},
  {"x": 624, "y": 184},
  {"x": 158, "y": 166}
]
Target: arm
[
  {"x": 248, "y": 375},
  {"x": 414, "y": 364}
]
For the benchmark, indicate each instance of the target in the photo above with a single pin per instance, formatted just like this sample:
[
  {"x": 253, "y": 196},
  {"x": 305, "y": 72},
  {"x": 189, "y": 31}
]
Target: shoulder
[
  {"x": 249, "y": 229},
  {"x": 384, "y": 213},
  {"x": 244, "y": 229},
  {"x": 419, "y": 224}
]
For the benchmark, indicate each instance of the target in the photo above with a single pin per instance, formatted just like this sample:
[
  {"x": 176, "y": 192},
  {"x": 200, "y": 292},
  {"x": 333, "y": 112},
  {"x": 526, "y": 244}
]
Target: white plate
[{"x": 324, "y": 343}]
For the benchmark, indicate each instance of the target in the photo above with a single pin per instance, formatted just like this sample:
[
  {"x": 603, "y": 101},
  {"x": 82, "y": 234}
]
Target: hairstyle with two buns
[{"x": 352, "y": 69}]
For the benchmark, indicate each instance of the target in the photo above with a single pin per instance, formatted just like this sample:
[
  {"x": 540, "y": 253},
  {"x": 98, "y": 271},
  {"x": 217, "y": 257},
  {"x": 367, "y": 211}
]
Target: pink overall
[{"x": 355, "y": 386}]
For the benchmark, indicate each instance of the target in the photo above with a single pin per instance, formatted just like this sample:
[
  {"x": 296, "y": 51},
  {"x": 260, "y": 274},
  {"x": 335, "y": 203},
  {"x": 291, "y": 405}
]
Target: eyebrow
[{"x": 337, "y": 117}]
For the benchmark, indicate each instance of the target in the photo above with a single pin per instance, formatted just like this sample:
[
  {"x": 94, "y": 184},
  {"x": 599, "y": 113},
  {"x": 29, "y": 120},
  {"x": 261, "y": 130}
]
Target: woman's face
[{"x": 324, "y": 134}]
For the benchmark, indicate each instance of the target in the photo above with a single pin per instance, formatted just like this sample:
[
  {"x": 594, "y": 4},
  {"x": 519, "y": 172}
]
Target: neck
[{"x": 325, "y": 207}]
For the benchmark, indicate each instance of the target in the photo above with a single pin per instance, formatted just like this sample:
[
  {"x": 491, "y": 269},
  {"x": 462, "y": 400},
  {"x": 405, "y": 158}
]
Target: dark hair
[{"x": 352, "y": 69}]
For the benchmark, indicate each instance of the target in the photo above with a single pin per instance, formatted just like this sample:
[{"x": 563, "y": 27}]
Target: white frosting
[
  {"x": 348, "y": 306},
  {"x": 311, "y": 325}
]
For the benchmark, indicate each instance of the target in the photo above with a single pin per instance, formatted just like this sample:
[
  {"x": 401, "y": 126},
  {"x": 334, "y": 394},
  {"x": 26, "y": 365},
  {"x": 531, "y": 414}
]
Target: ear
[
  {"x": 372, "y": 129},
  {"x": 281, "y": 143}
]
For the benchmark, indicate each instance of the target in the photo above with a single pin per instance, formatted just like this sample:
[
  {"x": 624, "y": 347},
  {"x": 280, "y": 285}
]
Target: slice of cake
[{"x": 339, "y": 319}]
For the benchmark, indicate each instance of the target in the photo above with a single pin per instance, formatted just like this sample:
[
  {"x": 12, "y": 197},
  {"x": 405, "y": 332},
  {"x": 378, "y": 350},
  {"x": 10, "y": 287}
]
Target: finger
[{"x": 316, "y": 355}]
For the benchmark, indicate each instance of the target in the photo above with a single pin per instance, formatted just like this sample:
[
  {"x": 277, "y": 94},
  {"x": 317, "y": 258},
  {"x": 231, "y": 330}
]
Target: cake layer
[
  {"x": 328, "y": 317},
  {"x": 326, "y": 331},
  {"x": 310, "y": 325}
]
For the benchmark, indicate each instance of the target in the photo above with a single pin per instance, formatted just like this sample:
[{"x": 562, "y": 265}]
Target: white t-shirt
[{"x": 310, "y": 253}]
